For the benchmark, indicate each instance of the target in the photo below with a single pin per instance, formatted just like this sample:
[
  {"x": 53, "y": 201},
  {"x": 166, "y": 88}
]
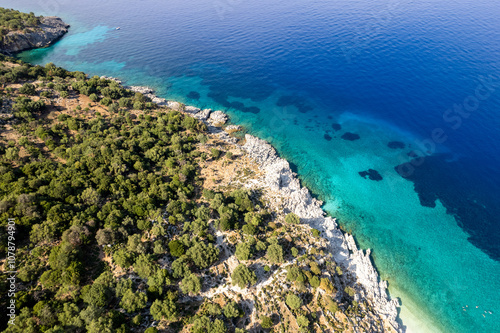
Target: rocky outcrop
[
  {"x": 232, "y": 128},
  {"x": 191, "y": 109},
  {"x": 50, "y": 30},
  {"x": 288, "y": 195},
  {"x": 203, "y": 114},
  {"x": 217, "y": 118}
]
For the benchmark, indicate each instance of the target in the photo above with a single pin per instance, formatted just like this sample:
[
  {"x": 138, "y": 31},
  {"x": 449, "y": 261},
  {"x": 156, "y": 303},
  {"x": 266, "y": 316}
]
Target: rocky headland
[{"x": 49, "y": 30}]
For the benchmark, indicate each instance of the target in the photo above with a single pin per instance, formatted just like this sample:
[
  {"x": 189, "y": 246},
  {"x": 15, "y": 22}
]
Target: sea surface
[{"x": 408, "y": 91}]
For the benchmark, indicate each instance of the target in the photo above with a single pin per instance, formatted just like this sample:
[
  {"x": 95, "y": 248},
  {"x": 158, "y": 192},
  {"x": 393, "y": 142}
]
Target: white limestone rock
[
  {"x": 203, "y": 114},
  {"x": 232, "y": 128},
  {"x": 217, "y": 118},
  {"x": 191, "y": 109}
]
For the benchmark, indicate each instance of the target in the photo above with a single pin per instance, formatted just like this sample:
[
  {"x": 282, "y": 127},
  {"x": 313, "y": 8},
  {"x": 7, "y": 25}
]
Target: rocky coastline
[
  {"x": 287, "y": 194},
  {"x": 50, "y": 30},
  {"x": 290, "y": 196}
]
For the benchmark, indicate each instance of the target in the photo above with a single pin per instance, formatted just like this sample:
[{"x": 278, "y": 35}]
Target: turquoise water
[{"x": 302, "y": 75}]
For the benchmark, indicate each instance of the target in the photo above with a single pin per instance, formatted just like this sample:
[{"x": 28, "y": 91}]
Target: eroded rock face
[
  {"x": 50, "y": 30},
  {"x": 289, "y": 195},
  {"x": 191, "y": 109}
]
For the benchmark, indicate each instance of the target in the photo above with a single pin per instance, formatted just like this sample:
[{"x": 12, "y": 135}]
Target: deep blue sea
[{"x": 408, "y": 91}]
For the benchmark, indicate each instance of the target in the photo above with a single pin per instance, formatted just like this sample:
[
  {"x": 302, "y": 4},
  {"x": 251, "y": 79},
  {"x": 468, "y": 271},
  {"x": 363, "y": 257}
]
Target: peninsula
[{"x": 20, "y": 31}]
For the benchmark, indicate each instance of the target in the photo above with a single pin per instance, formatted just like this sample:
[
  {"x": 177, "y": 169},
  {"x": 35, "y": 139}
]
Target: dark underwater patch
[
  {"x": 327, "y": 137},
  {"x": 350, "y": 136},
  {"x": 336, "y": 127},
  {"x": 287, "y": 100},
  {"x": 464, "y": 190},
  {"x": 193, "y": 95},
  {"x": 396, "y": 145},
  {"x": 371, "y": 174},
  {"x": 219, "y": 99},
  {"x": 237, "y": 105},
  {"x": 222, "y": 100}
]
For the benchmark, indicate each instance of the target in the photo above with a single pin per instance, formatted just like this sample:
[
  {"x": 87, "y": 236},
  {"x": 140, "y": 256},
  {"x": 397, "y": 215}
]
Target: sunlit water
[{"x": 424, "y": 76}]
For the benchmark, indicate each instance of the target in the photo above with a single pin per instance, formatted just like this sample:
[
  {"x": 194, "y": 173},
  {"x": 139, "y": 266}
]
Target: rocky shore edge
[
  {"x": 50, "y": 30},
  {"x": 288, "y": 195}
]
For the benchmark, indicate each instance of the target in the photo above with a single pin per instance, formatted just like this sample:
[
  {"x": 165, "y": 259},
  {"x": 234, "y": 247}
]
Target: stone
[
  {"x": 232, "y": 128},
  {"x": 217, "y": 118},
  {"x": 191, "y": 109},
  {"x": 203, "y": 114}
]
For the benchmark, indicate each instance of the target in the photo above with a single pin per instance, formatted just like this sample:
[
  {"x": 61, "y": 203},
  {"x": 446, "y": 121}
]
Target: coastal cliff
[{"x": 47, "y": 32}]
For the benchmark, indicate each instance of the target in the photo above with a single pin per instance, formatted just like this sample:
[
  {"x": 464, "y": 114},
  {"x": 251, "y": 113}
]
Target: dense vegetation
[
  {"x": 115, "y": 230},
  {"x": 113, "y": 185},
  {"x": 13, "y": 20}
]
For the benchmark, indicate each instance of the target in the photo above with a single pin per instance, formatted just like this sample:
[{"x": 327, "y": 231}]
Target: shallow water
[{"x": 383, "y": 70}]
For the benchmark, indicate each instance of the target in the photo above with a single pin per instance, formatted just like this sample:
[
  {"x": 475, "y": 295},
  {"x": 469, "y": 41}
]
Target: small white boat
[{"x": 118, "y": 28}]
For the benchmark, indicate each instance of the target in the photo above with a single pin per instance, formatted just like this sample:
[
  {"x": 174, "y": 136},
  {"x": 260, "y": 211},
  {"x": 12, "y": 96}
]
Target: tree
[
  {"x": 231, "y": 310},
  {"x": 218, "y": 327},
  {"x": 315, "y": 268},
  {"x": 96, "y": 294},
  {"x": 191, "y": 284},
  {"x": 105, "y": 236},
  {"x": 144, "y": 267},
  {"x": 180, "y": 268},
  {"x": 243, "y": 276},
  {"x": 123, "y": 258},
  {"x": 249, "y": 229},
  {"x": 293, "y": 301},
  {"x": 28, "y": 89},
  {"x": 215, "y": 153},
  {"x": 132, "y": 302},
  {"x": 164, "y": 309},
  {"x": 292, "y": 218},
  {"x": 295, "y": 252},
  {"x": 293, "y": 273},
  {"x": 203, "y": 325},
  {"x": 203, "y": 255},
  {"x": 260, "y": 246},
  {"x": 176, "y": 248},
  {"x": 314, "y": 281},
  {"x": 266, "y": 322},
  {"x": 101, "y": 325},
  {"x": 330, "y": 304},
  {"x": 327, "y": 285},
  {"x": 349, "y": 291},
  {"x": 106, "y": 101},
  {"x": 302, "y": 321},
  {"x": 158, "y": 280},
  {"x": 243, "y": 251},
  {"x": 275, "y": 253}
]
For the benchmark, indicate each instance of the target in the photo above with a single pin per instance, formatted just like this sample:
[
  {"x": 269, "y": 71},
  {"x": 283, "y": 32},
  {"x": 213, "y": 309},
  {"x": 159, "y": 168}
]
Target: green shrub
[
  {"x": 292, "y": 218},
  {"x": 28, "y": 89},
  {"x": 293, "y": 301},
  {"x": 243, "y": 276},
  {"x": 215, "y": 153}
]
